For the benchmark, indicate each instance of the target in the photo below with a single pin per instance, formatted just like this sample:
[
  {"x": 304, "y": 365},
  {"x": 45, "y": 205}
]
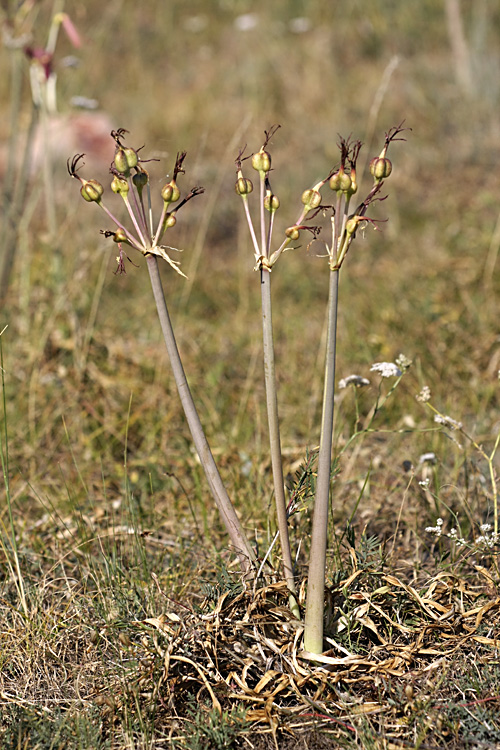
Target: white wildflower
[
  {"x": 355, "y": 380},
  {"x": 424, "y": 483},
  {"x": 485, "y": 527},
  {"x": 386, "y": 369},
  {"x": 403, "y": 362},
  {"x": 437, "y": 530},
  {"x": 300, "y": 25},
  {"x": 246, "y": 22},
  {"x": 429, "y": 458},
  {"x": 424, "y": 395},
  {"x": 447, "y": 421}
]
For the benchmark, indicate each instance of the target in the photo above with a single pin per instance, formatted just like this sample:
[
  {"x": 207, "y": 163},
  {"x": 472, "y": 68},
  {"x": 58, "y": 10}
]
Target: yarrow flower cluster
[
  {"x": 403, "y": 362},
  {"x": 424, "y": 395},
  {"x": 386, "y": 369},
  {"x": 355, "y": 380},
  {"x": 487, "y": 539},
  {"x": 437, "y": 529}
]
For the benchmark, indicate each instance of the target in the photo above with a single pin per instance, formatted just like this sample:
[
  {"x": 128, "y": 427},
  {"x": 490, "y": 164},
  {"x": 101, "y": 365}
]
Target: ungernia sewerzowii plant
[
  {"x": 344, "y": 227},
  {"x": 131, "y": 182}
]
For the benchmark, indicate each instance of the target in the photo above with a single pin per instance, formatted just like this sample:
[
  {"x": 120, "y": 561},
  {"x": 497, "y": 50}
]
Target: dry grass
[{"x": 123, "y": 568}]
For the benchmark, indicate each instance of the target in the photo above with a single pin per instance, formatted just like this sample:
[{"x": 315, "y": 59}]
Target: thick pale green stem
[
  {"x": 226, "y": 508},
  {"x": 274, "y": 437},
  {"x": 313, "y": 633}
]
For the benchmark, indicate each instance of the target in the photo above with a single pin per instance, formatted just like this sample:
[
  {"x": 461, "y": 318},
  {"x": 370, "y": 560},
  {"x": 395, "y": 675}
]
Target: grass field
[{"x": 123, "y": 619}]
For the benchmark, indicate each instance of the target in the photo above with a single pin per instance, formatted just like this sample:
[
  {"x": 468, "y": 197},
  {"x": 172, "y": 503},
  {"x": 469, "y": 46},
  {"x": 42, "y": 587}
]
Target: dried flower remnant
[
  {"x": 447, "y": 421},
  {"x": 355, "y": 380},
  {"x": 386, "y": 369}
]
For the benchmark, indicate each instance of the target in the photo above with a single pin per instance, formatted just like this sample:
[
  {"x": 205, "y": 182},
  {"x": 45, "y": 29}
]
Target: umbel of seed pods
[
  {"x": 342, "y": 181},
  {"x": 130, "y": 180}
]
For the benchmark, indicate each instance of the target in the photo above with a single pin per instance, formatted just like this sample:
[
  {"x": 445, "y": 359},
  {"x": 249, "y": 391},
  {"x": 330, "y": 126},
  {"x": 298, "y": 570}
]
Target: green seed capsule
[
  {"x": 170, "y": 221},
  {"x": 131, "y": 157},
  {"x": 119, "y": 185},
  {"x": 292, "y": 233},
  {"x": 121, "y": 161},
  {"x": 243, "y": 186},
  {"x": 380, "y": 168},
  {"x": 271, "y": 202},
  {"x": 311, "y": 198},
  {"x": 261, "y": 161},
  {"x": 140, "y": 180},
  {"x": 170, "y": 192},
  {"x": 92, "y": 191},
  {"x": 120, "y": 236}
]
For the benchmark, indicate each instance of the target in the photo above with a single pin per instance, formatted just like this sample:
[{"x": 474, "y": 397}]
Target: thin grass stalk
[
  {"x": 313, "y": 633},
  {"x": 228, "y": 514},
  {"x": 15, "y": 569}
]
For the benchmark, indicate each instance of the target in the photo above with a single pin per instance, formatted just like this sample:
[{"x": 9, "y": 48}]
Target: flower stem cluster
[
  {"x": 130, "y": 181},
  {"x": 344, "y": 183},
  {"x": 261, "y": 161}
]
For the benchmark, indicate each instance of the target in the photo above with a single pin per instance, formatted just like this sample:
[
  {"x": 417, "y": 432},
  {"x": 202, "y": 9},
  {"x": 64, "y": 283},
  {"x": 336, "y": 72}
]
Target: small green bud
[
  {"x": 120, "y": 236},
  {"x": 170, "y": 221},
  {"x": 140, "y": 180},
  {"x": 292, "y": 233},
  {"x": 119, "y": 185},
  {"x": 121, "y": 161},
  {"x": 261, "y": 161},
  {"x": 92, "y": 191},
  {"x": 352, "y": 224},
  {"x": 311, "y": 198},
  {"x": 243, "y": 186},
  {"x": 170, "y": 192},
  {"x": 380, "y": 168}
]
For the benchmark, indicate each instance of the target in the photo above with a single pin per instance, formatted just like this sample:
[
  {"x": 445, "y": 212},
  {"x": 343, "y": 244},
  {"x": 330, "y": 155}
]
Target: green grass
[{"x": 112, "y": 519}]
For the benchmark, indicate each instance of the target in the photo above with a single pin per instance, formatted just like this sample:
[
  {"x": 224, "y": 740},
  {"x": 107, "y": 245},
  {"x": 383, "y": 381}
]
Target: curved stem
[{"x": 226, "y": 508}]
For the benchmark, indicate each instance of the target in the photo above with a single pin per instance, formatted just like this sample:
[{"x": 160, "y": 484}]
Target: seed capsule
[
  {"x": 292, "y": 233},
  {"x": 92, "y": 190},
  {"x": 380, "y": 168},
  {"x": 119, "y": 185},
  {"x": 261, "y": 161},
  {"x": 271, "y": 202},
  {"x": 121, "y": 161},
  {"x": 170, "y": 192},
  {"x": 131, "y": 156},
  {"x": 170, "y": 221},
  {"x": 140, "y": 179},
  {"x": 120, "y": 236},
  {"x": 243, "y": 186},
  {"x": 311, "y": 198}
]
